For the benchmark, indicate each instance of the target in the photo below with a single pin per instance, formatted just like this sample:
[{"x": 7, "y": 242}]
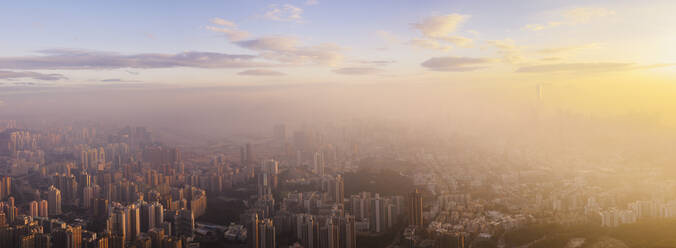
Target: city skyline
[{"x": 337, "y": 124}]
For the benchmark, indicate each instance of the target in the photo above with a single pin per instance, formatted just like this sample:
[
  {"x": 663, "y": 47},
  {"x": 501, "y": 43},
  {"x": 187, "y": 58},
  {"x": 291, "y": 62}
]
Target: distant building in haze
[{"x": 415, "y": 208}]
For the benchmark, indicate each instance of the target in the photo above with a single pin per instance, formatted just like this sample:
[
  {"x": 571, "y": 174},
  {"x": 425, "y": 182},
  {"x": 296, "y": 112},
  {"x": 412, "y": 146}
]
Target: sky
[
  {"x": 607, "y": 57},
  {"x": 315, "y": 41}
]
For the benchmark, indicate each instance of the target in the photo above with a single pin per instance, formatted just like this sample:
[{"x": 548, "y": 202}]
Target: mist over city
[{"x": 337, "y": 124}]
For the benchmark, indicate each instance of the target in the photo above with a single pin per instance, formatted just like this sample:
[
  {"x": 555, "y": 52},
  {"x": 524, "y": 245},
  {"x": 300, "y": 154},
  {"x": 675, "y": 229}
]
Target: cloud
[
  {"x": 429, "y": 44},
  {"x": 387, "y": 36},
  {"x": 270, "y": 43},
  {"x": 458, "y": 40},
  {"x": 29, "y": 74},
  {"x": 455, "y": 63},
  {"x": 551, "y": 58},
  {"x": 311, "y": 2},
  {"x": 112, "y": 80},
  {"x": 260, "y": 72},
  {"x": 84, "y": 59},
  {"x": 223, "y": 22},
  {"x": 285, "y": 13},
  {"x": 583, "y": 15},
  {"x": 228, "y": 28},
  {"x": 376, "y": 62},
  {"x": 357, "y": 70},
  {"x": 442, "y": 28},
  {"x": 572, "y": 17},
  {"x": 289, "y": 50},
  {"x": 538, "y": 27},
  {"x": 567, "y": 49},
  {"x": 587, "y": 67},
  {"x": 507, "y": 48}
]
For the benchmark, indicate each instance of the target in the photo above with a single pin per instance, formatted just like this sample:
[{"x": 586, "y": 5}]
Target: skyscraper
[
  {"x": 348, "y": 231},
  {"x": 54, "y": 198},
  {"x": 319, "y": 164},
  {"x": 279, "y": 132},
  {"x": 377, "y": 216},
  {"x": 133, "y": 222},
  {"x": 87, "y": 197},
  {"x": 266, "y": 235},
  {"x": 5, "y": 187},
  {"x": 117, "y": 222},
  {"x": 415, "y": 209},
  {"x": 335, "y": 187},
  {"x": 43, "y": 209},
  {"x": 34, "y": 209}
]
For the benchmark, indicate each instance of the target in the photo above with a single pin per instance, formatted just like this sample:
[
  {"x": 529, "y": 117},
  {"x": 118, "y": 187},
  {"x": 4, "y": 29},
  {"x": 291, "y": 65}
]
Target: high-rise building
[
  {"x": 253, "y": 232},
  {"x": 319, "y": 164},
  {"x": 183, "y": 223},
  {"x": 132, "y": 222},
  {"x": 43, "y": 209},
  {"x": 87, "y": 197},
  {"x": 54, "y": 197},
  {"x": 335, "y": 188},
  {"x": 261, "y": 233},
  {"x": 34, "y": 209},
  {"x": 333, "y": 233},
  {"x": 279, "y": 132},
  {"x": 152, "y": 215},
  {"x": 266, "y": 235},
  {"x": 306, "y": 227},
  {"x": 42, "y": 240},
  {"x": 415, "y": 209},
  {"x": 361, "y": 205},
  {"x": 247, "y": 155},
  {"x": 348, "y": 231},
  {"x": 5, "y": 187},
  {"x": 117, "y": 222},
  {"x": 69, "y": 237},
  {"x": 377, "y": 217}
]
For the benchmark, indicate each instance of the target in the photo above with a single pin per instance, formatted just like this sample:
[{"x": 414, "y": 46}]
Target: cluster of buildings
[{"x": 99, "y": 189}]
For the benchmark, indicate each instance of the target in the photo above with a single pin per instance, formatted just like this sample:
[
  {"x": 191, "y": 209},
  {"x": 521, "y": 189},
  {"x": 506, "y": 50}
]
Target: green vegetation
[
  {"x": 386, "y": 182},
  {"x": 222, "y": 210},
  {"x": 529, "y": 234}
]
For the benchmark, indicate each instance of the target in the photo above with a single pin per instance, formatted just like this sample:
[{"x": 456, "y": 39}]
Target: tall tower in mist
[
  {"x": 539, "y": 102},
  {"x": 539, "y": 91}
]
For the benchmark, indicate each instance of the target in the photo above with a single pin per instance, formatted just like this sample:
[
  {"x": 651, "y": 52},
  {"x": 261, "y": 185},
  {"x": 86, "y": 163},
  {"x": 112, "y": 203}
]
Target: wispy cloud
[
  {"x": 429, "y": 44},
  {"x": 357, "y": 70},
  {"x": 572, "y": 17},
  {"x": 285, "y": 12},
  {"x": 118, "y": 80},
  {"x": 507, "y": 48},
  {"x": 456, "y": 64},
  {"x": 84, "y": 59},
  {"x": 388, "y": 37},
  {"x": 587, "y": 67},
  {"x": 260, "y": 72},
  {"x": 443, "y": 28},
  {"x": 289, "y": 50},
  {"x": 228, "y": 28},
  {"x": 32, "y": 75},
  {"x": 538, "y": 27},
  {"x": 567, "y": 49},
  {"x": 583, "y": 15},
  {"x": 112, "y": 80},
  {"x": 376, "y": 62},
  {"x": 311, "y": 2}
]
